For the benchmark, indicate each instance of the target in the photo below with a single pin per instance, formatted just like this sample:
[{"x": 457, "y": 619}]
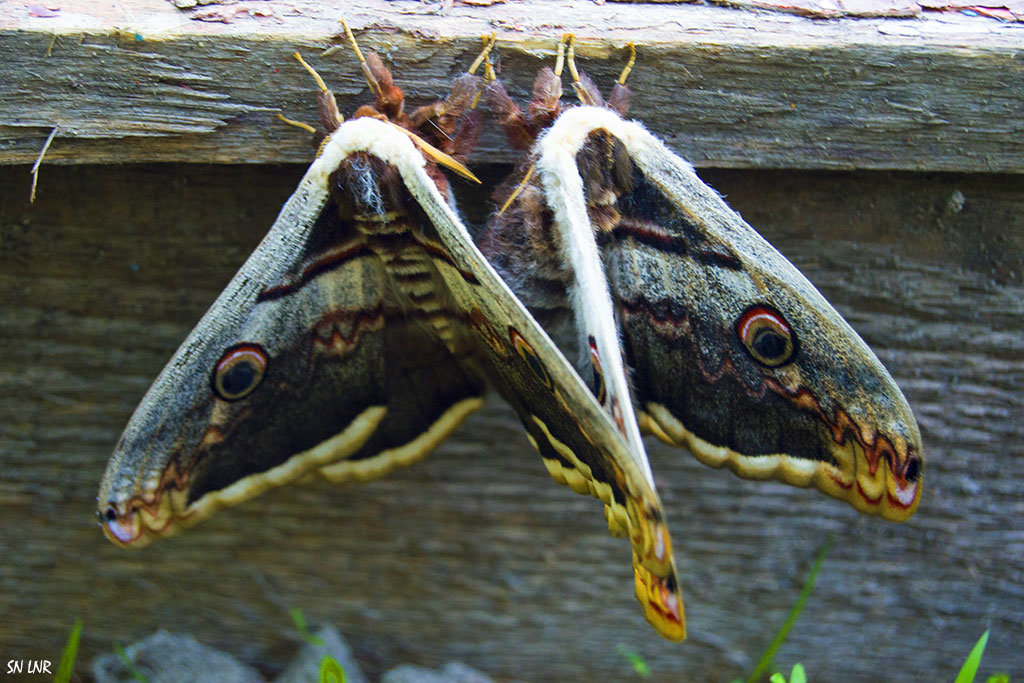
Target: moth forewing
[
  {"x": 148, "y": 489},
  {"x": 562, "y": 417},
  {"x": 690, "y": 278},
  {"x": 137, "y": 472},
  {"x": 876, "y": 445}
]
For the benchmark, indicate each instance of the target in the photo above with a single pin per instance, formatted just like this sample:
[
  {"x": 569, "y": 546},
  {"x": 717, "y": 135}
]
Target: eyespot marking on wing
[
  {"x": 239, "y": 371},
  {"x": 766, "y": 336}
]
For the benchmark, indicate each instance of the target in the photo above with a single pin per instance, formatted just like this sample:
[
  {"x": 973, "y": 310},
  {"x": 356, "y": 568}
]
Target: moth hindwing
[
  {"x": 729, "y": 350},
  {"x": 360, "y": 333}
]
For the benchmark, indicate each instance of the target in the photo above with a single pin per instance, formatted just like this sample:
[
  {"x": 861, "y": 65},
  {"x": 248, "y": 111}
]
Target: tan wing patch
[
  {"x": 853, "y": 478},
  {"x": 580, "y": 478},
  {"x": 413, "y": 451}
]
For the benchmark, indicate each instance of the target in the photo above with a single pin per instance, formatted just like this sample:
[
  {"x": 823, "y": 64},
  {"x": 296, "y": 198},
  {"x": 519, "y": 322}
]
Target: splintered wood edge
[{"x": 722, "y": 87}]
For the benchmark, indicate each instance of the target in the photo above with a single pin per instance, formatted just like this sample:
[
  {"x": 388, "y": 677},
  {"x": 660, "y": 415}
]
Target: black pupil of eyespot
[
  {"x": 537, "y": 368},
  {"x": 913, "y": 469},
  {"x": 238, "y": 377},
  {"x": 769, "y": 344},
  {"x": 110, "y": 514}
]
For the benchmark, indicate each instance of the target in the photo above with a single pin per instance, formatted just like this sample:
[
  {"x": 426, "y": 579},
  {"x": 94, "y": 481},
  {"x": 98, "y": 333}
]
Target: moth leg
[
  {"x": 618, "y": 100},
  {"x": 459, "y": 99},
  {"x": 586, "y": 91},
  {"x": 469, "y": 133},
  {"x": 519, "y": 188},
  {"x": 446, "y": 123},
  {"x": 522, "y": 128},
  {"x": 367, "y": 72},
  {"x": 519, "y": 134},
  {"x": 543, "y": 109},
  {"x": 330, "y": 115},
  {"x": 484, "y": 57},
  {"x": 451, "y": 125},
  {"x": 545, "y": 105},
  {"x": 489, "y": 75},
  {"x": 518, "y": 130},
  {"x": 388, "y": 97},
  {"x": 629, "y": 65},
  {"x": 298, "y": 124}
]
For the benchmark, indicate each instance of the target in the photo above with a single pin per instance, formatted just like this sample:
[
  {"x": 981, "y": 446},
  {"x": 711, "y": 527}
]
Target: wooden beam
[{"x": 145, "y": 81}]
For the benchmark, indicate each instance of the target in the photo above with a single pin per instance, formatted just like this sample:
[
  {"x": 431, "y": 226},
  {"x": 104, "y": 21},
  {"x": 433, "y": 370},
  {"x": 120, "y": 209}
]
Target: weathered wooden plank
[
  {"x": 475, "y": 554},
  {"x": 725, "y": 87}
]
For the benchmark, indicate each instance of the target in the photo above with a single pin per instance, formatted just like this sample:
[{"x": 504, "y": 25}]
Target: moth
[
  {"x": 362, "y": 331},
  {"x": 692, "y": 326}
]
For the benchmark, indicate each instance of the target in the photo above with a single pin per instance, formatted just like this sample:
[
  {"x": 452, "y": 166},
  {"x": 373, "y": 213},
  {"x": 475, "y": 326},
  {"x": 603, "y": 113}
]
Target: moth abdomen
[{"x": 606, "y": 169}]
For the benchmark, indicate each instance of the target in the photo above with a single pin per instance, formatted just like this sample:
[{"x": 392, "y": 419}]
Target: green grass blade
[
  {"x": 129, "y": 664},
  {"x": 970, "y": 668},
  {"x": 635, "y": 660},
  {"x": 299, "y": 620},
  {"x": 794, "y": 613},
  {"x": 70, "y": 654},
  {"x": 331, "y": 671},
  {"x": 798, "y": 676}
]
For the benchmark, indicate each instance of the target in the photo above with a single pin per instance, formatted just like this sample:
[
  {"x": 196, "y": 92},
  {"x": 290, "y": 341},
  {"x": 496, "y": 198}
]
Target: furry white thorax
[
  {"x": 571, "y": 129},
  {"x": 589, "y": 293},
  {"x": 379, "y": 138}
]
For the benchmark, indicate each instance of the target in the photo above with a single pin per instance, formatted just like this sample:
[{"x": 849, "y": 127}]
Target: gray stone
[
  {"x": 453, "y": 672},
  {"x": 305, "y": 666},
  {"x": 171, "y": 658},
  {"x": 457, "y": 672}
]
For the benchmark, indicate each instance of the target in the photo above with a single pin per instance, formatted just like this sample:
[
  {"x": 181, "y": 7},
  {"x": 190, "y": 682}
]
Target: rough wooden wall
[
  {"x": 475, "y": 553},
  {"x": 751, "y": 89}
]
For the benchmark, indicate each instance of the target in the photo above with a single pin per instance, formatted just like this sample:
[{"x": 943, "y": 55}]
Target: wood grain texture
[
  {"x": 475, "y": 554},
  {"x": 143, "y": 81}
]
